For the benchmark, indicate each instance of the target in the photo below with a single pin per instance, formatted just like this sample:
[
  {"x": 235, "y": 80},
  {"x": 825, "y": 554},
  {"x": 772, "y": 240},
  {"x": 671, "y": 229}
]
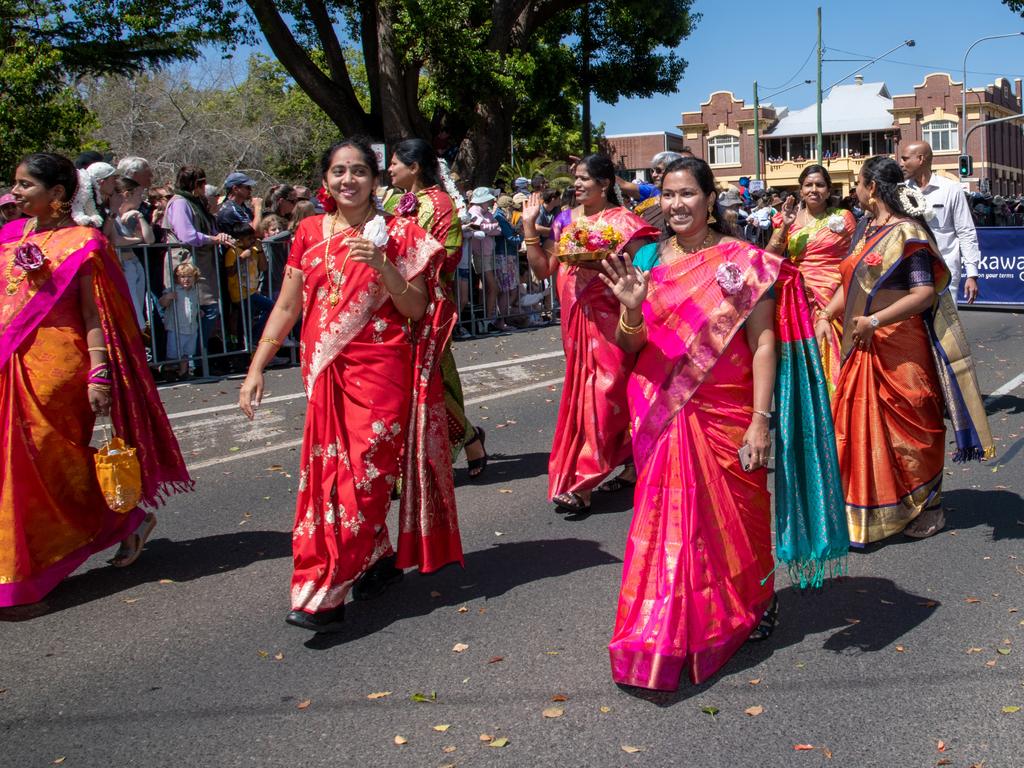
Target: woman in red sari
[
  {"x": 906, "y": 362},
  {"x": 375, "y": 321},
  {"x": 698, "y": 311},
  {"x": 592, "y": 432},
  {"x": 70, "y": 350},
  {"x": 816, "y": 238}
]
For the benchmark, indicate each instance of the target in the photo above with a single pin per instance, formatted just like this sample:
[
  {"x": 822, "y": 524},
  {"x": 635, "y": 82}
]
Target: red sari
[
  {"x": 375, "y": 399},
  {"x": 53, "y": 514},
  {"x": 592, "y": 432}
]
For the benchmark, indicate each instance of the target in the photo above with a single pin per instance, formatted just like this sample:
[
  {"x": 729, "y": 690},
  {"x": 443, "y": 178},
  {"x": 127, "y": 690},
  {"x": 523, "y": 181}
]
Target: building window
[
  {"x": 940, "y": 135},
  {"x": 724, "y": 150}
]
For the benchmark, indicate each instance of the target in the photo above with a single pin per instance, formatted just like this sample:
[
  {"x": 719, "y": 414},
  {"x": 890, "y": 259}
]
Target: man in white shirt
[{"x": 952, "y": 226}]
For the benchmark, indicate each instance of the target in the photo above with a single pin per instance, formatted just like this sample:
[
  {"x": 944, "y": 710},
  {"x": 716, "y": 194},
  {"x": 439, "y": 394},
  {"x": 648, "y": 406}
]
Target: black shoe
[
  {"x": 378, "y": 578},
  {"x": 325, "y": 621}
]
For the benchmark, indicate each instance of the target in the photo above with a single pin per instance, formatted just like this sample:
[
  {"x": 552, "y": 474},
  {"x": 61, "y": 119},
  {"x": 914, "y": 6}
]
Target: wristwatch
[{"x": 874, "y": 321}]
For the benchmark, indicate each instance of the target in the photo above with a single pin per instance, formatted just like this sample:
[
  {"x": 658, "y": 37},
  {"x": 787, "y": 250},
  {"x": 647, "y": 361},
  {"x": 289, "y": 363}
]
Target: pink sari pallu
[{"x": 700, "y": 541}]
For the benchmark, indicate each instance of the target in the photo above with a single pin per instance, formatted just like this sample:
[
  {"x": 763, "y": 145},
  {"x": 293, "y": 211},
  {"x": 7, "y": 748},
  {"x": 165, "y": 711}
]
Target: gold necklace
[
  {"x": 336, "y": 277},
  {"x": 708, "y": 242},
  {"x": 13, "y": 280}
]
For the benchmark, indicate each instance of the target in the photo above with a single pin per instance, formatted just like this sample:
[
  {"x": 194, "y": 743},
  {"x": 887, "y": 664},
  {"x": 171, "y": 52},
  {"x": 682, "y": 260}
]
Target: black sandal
[
  {"x": 477, "y": 466},
  {"x": 769, "y": 621},
  {"x": 570, "y": 501},
  {"x": 616, "y": 484}
]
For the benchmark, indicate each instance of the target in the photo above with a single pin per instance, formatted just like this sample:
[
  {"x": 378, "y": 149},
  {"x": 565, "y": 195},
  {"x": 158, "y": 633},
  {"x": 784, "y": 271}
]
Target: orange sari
[
  {"x": 53, "y": 515},
  {"x": 890, "y": 399}
]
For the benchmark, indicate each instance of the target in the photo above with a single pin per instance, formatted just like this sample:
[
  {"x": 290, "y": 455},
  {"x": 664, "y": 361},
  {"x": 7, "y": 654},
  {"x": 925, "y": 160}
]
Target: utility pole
[
  {"x": 819, "y": 86},
  {"x": 757, "y": 135}
]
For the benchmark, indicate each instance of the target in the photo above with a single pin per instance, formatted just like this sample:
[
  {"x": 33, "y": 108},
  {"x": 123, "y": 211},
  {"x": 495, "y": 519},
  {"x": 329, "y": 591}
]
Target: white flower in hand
[
  {"x": 376, "y": 231},
  {"x": 836, "y": 223}
]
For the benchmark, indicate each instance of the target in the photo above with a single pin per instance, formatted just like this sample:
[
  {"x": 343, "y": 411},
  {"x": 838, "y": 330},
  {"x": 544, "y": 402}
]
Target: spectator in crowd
[
  {"x": 482, "y": 229},
  {"x": 158, "y": 198},
  {"x": 275, "y": 235},
  {"x": 302, "y": 210},
  {"x": 506, "y": 259},
  {"x": 181, "y": 317},
  {"x": 87, "y": 158},
  {"x": 645, "y": 195},
  {"x": 520, "y": 185},
  {"x": 245, "y": 263},
  {"x": 952, "y": 225},
  {"x": 104, "y": 177},
  {"x": 9, "y": 210},
  {"x": 538, "y": 183},
  {"x": 128, "y": 227},
  {"x": 137, "y": 169},
  {"x": 549, "y": 209},
  {"x": 303, "y": 193},
  {"x": 191, "y": 224},
  {"x": 271, "y": 225},
  {"x": 282, "y": 201},
  {"x": 239, "y": 207},
  {"x": 213, "y": 203}
]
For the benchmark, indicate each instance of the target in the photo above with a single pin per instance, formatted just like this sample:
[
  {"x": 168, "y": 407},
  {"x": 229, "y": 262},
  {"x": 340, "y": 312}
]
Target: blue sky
[{"x": 736, "y": 43}]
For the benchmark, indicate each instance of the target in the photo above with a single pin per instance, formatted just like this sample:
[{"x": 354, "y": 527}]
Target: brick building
[
  {"x": 858, "y": 120},
  {"x": 632, "y": 153}
]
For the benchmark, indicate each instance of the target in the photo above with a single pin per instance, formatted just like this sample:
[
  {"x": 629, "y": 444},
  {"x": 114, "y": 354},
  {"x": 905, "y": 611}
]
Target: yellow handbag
[{"x": 119, "y": 474}]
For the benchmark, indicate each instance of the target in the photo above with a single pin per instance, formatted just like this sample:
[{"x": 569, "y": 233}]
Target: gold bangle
[
  {"x": 99, "y": 387},
  {"x": 823, "y": 315},
  {"x": 631, "y": 330},
  {"x": 531, "y": 240},
  {"x": 405, "y": 290},
  {"x": 766, "y": 414},
  {"x": 266, "y": 340},
  {"x": 98, "y": 349}
]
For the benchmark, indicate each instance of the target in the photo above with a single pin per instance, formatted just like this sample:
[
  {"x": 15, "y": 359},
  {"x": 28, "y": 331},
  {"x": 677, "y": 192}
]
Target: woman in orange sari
[
  {"x": 816, "y": 238},
  {"x": 375, "y": 321},
  {"x": 906, "y": 361},
  {"x": 70, "y": 350},
  {"x": 592, "y": 432}
]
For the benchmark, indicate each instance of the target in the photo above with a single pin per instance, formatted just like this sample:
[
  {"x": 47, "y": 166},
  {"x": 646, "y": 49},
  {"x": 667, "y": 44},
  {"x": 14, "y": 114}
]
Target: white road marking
[
  {"x": 1006, "y": 389},
  {"x": 294, "y": 443},
  {"x": 297, "y": 395}
]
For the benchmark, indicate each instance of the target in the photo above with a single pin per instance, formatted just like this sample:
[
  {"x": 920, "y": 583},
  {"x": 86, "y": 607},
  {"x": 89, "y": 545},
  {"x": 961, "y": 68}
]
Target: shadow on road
[
  {"x": 864, "y": 615},
  {"x": 163, "y": 559},
  {"x": 488, "y": 574},
  {"x": 1002, "y": 511},
  {"x": 1008, "y": 404},
  {"x": 506, "y": 469}
]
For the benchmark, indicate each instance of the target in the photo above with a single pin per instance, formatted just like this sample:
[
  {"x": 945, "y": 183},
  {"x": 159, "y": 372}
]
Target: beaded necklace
[{"x": 335, "y": 277}]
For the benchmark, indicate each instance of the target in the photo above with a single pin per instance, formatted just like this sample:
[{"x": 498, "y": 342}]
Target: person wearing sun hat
[
  {"x": 483, "y": 228},
  {"x": 9, "y": 210}
]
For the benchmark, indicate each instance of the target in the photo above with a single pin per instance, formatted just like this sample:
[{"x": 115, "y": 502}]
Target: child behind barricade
[
  {"x": 181, "y": 316},
  {"x": 245, "y": 262}
]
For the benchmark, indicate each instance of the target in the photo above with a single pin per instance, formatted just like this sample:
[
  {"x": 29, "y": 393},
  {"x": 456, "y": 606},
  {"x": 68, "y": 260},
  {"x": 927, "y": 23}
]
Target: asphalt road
[{"x": 185, "y": 659}]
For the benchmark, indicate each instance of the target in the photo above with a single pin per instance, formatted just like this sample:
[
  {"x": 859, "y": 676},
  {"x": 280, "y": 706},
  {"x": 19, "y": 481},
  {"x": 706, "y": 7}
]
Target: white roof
[{"x": 846, "y": 109}]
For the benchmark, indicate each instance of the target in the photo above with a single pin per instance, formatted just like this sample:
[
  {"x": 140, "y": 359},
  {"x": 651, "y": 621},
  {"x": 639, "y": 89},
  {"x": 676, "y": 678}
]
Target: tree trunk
[
  {"x": 398, "y": 122},
  {"x": 483, "y": 149}
]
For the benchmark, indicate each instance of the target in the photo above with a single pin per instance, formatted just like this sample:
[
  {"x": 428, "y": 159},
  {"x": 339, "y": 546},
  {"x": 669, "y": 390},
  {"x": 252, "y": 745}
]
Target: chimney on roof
[
  {"x": 859, "y": 80},
  {"x": 1017, "y": 89}
]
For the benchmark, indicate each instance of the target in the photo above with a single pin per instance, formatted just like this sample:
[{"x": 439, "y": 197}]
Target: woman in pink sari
[
  {"x": 70, "y": 350},
  {"x": 375, "y": 322},
  {"x": 592, "y": 432},
  {"x": 698, "y": 312},
  {"x": 816, "y": 238}
]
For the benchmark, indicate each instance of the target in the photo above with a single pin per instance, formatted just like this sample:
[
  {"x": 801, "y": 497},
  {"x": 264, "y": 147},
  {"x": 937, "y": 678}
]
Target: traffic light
[{"x": 966, "y": 166}]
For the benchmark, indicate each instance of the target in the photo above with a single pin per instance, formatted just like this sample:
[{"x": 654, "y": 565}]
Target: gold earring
[
  {"x": 872, "y": 203},
  {"x": 711, "y": 215},
  {"x": 55, "y": 207}
]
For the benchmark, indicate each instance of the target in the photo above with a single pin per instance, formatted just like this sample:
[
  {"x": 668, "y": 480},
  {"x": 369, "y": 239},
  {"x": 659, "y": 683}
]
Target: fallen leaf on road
[
  {"x": 59, "y": 760},
  {"x": 551, "y": 712},
  {"x": 944, "y": 761},
  {"x": 486, "y": 737},
  {"x": 755, "y": 681},
  {"x": 263, "y": 654},
  {"x": 559, "y": 697},
  {"x": 754, "y": 711},
  {"x": 495, "y": 659},
  {"x": 278, "y": 656},
  {"x": 441, "y": 728},
  {"x": 274, "y": 468},
  {"x": 852, "y": 621},
  {"x": 378, "y": 695},
  {"x": 975, "y": 649},
  {"x": 631, "y": 750},
  {"x": 459, "y": 647},
  {"x": 449, "y": 749},
  {"x": 803, "y": 747},
  {"x": 400, "y": 740},
  {"x": 604, "y": 710},
  {"x": 827, "y": 753},
  {"x": 130, "y": 600},
  {"x": 435, "y": 594},
  {"x": 928, "y": 603},
  {"x": 941, "y": 746},
  {"x": 234, "y": 449},
  {"x": 990, "y": 664},
  {"x": 973, "y": 600},
  {"x": 900, "y": 649},
  {"x": 463, "y": 609},
  {"x": 709, "y": 710},
  {"x": 887, "y": 602},
  {"x": 504, "y": 490},
  {"x": 166, "y": 581},
  {"x": 1010, "y": 710},
  {"x": 1003, "y": 651},
  {"x": 422, "y": 697},
  {"x": 304, "y": 704},
  {"x": 499, "y": 742}
]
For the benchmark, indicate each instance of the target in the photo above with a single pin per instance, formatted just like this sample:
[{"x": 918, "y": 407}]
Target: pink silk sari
[
  {"x": 817, "y": 251},
  {"x": 592, "y": 432},
  {"x": 700, "y": 541},
  {"x": 376, "y": 412}
]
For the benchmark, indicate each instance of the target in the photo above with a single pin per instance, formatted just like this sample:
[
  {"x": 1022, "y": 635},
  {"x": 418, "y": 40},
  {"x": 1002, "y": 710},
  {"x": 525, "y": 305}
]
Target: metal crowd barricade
[
  {"x": 158, "y": 261},
  {"x": 520, "y": 299}
]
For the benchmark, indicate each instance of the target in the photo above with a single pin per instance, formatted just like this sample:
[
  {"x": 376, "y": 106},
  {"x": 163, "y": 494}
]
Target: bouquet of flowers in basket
[{"x": 587, "y": 241}]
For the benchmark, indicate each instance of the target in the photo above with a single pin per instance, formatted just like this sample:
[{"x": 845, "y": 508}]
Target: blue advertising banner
[{"x": 1001, "y": 272}]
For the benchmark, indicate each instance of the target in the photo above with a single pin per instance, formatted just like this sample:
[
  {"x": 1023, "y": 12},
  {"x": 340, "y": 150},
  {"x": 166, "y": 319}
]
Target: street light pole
[
  {"x": 757, "y": 135},
  {"x": 963, "y": 88},
  {"x": 819, "y": 85}
]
